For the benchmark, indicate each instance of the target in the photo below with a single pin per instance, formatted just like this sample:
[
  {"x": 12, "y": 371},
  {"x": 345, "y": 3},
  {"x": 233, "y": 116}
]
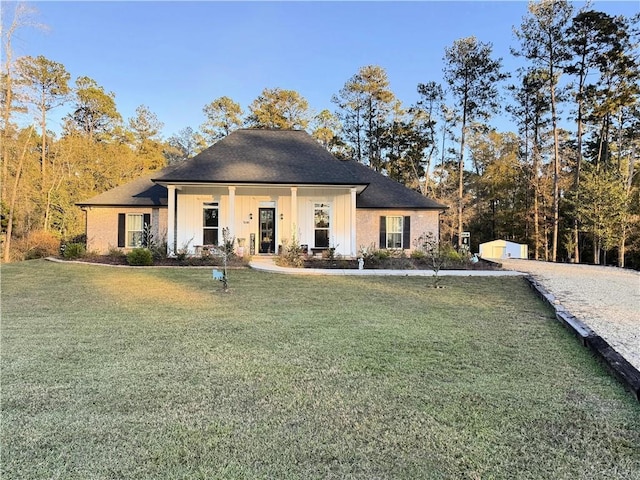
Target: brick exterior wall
[
  {"x": 368, "y": 225},
  {"x": 102, "y": 226}
]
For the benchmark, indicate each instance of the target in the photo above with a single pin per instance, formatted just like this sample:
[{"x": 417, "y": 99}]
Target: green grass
[{"x": 154, "y": 373}]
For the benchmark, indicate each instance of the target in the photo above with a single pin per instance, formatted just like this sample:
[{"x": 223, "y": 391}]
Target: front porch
[{"x": 261, "y": 219}]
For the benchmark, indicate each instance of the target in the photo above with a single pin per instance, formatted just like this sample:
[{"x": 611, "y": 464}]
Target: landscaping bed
[
  {"x": 391, "y": 263},
  {"x": 233, "y": 262}
]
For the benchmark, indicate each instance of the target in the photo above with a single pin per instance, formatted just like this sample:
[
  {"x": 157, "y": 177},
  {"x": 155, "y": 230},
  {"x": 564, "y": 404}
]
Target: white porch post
[
  {"x": 231, "y": 211},
  {"x": 294, "y": 212},
  {"x": 171, "y": 220},
  {"x": 354, "y": 246}
]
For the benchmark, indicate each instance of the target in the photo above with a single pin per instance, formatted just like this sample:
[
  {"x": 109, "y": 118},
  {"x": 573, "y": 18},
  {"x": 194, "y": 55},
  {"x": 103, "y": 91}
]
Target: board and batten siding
[
  {"x": 248, "y": 201},
  {"x": 189, "y": 216},
  {"x": 339, "y": 218}
]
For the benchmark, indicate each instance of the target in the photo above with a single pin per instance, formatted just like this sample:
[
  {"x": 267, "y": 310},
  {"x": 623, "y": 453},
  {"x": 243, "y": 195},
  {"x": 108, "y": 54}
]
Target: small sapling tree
[
  {"x": 225, "y": 253},
  {"x": 435, "y": 251}
]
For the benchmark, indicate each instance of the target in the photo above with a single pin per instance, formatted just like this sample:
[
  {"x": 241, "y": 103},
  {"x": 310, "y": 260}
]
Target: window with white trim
[
  {"x": 210, "y": 224},
  {"x": 321, "y": 224},
  {"x": 135, "y": 230},
  {"x": 394, "y": 232}
]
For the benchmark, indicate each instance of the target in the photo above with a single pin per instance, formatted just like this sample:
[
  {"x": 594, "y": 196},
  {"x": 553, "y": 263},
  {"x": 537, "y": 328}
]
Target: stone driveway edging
[{"x": 616, "y": 363}]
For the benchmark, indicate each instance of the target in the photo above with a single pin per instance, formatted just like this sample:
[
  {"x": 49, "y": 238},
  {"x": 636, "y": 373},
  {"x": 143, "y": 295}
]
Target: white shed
[{"x": 503, "y": 249}]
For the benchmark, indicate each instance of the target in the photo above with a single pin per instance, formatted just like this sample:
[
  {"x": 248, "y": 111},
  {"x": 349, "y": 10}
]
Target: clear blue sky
[{"x": 175, "y": 57}]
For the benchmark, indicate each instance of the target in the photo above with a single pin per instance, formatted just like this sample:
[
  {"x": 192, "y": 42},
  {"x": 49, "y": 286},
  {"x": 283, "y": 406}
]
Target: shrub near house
[{"x": 139, "y": 257}]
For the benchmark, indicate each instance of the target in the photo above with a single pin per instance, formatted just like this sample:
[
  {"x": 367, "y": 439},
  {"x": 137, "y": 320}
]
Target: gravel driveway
[{"x": 607, "y": 299}]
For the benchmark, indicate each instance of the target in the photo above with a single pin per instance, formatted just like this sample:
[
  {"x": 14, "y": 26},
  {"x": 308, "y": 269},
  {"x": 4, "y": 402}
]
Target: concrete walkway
[{"x": 267, "y": 264}]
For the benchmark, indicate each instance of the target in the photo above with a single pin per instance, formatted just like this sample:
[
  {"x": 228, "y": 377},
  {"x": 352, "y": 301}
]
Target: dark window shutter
[
  {"x": 122, "y": 233},
  {"x": 406, "y": 232},
  {"x": 383, "y": 232},
  {"x": 146, "y": 229}
]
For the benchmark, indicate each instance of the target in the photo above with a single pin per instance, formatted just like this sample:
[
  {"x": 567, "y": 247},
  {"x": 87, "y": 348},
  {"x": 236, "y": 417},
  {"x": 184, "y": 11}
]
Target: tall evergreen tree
[
  {"x": 145, "y": 128},
  {"x": 364, "y": 105},
  {"x": 584, "y": 35},
  {"x": 425, "y": 112},
  {"x": 47, "y": 84},
  {"x": 602, "y": 206},
  {"x": 610, "y": 97},
  {"x": 223, "y": 117},
  {"x": 499, "y": 187},
  {"x": 531, "y": 112},
  {"x": 629, "y": 167},
  {"x": 278, "y": 108},
  {"x": 601, "y": 47},
  {"x": 408, "y": 147},
  {"x": 325, "y": 128},
  {"x": 184, "y": 144},
  {"x": 95, "y": 113},
  {"x": 543, "y": 42},
  {"x": 473, "y": 78}
]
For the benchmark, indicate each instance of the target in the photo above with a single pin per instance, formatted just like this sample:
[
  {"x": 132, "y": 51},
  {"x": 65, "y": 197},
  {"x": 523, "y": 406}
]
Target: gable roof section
[
  {"x": 263, "y": 156},
  {"x": 141, "y": 192},
  {"x": 384, "y": 192}
]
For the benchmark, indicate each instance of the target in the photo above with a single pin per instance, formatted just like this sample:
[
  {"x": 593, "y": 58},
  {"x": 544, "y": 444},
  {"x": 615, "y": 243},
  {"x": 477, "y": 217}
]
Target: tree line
[{"x": 566, "y": 182}]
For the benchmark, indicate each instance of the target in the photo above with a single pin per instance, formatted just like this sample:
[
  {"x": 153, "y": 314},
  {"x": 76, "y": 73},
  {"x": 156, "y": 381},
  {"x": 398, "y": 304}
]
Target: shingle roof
[
  {"x": 383, "y": 192},
  {"x": 141, "y": 192},
  {"x": 263, "y": 156},
  {"x": 268, "y": 157}
]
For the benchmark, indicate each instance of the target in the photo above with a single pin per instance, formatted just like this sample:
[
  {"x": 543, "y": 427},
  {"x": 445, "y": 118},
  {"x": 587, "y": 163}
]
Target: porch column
[
  {"x": 354, "y": 246},
  {"x": 294, "y": 212},
  {"x": 171, "y": 221},
  {"x": 231, "y": 212}
]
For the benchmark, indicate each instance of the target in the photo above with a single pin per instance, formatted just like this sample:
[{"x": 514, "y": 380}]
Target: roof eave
[
  {"x": 408, "y": 207},
  {"x": 199, "y": 183},
  {"x": 122, "y": 205}
]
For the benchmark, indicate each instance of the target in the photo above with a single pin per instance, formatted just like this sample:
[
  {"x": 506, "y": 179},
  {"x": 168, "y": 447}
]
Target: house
[
  {"x": 503, "y": 249},
  {"x": 266, "y": 187}
]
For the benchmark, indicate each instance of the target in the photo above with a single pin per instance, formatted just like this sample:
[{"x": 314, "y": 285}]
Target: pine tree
[
  {"x": 365, "y": 104},
  {"x": 278, "y": 108},
  {"x": 543, "y": 38},
  {"x": 223, "y": 117},
  {"x": 472, "y": 76}
]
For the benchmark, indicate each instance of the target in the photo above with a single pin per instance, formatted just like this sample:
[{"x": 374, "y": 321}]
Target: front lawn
[{"x": 154, "y": 373}]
